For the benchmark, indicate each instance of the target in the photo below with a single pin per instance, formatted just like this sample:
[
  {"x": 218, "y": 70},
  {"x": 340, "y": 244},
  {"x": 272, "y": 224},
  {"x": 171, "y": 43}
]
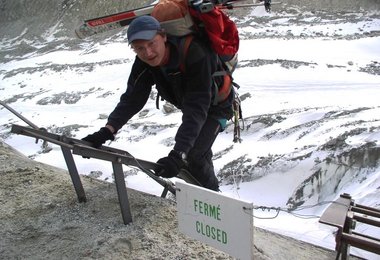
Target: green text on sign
[
  {"x": 207, "y": 209},
  {"x": 211, "y": 232}
]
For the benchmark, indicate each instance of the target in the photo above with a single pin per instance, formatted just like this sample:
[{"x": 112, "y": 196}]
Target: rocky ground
[{"x": 42, "y": 219}]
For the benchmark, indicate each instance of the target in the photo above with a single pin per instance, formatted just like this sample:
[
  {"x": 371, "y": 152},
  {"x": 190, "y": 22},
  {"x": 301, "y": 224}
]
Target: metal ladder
[
  {"x": 70, "y": 146},
  {"x": 344, "y": 213}
]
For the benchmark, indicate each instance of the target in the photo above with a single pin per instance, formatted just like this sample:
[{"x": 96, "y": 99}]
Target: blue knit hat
[{"x": 143, "y": 28}]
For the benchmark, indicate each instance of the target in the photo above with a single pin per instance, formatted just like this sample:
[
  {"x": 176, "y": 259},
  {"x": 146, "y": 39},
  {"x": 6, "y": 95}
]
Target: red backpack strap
[
  {"x": 184, "y": 45},
  {"x": 221, "y": 92},
  {"x": 224, "y": 90}
]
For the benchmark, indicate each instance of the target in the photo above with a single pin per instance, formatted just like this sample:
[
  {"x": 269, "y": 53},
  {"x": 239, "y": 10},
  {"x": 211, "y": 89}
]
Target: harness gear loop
[{"x": 236, "y": 119}]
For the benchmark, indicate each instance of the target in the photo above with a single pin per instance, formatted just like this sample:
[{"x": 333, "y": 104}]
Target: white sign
[{"x": 217, "y": 220}]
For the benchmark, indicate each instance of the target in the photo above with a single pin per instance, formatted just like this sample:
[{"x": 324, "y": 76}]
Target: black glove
[
  {"x": 100, "y": 137},
  {"x": 171, "y": 164}
]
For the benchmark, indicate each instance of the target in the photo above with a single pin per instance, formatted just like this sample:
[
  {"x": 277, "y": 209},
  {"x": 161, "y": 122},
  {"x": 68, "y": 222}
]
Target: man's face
[{"x": 151, "y": 51}]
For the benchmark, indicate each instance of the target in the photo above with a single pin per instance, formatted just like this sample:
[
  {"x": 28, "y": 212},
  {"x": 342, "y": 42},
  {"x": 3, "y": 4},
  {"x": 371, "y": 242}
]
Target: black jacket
[{"x": 190, "y": 89}]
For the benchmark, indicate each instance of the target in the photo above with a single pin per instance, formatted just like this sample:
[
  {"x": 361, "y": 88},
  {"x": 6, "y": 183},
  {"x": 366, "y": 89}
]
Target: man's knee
[
  {"x": 202, "y": 168},
  {"x": 197, "y": 156}
]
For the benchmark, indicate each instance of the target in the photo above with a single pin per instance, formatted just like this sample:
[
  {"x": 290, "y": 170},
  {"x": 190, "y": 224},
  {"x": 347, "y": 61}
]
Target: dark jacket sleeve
[
  {"x": 197, "y": 95},
  {"x": 133, "y": 100}
]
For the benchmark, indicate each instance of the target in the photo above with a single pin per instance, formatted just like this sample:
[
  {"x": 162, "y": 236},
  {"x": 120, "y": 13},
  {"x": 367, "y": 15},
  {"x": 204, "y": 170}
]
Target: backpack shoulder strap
[
  {"x": 183, "y": 47},
  {"x": 223, "y": 91}
]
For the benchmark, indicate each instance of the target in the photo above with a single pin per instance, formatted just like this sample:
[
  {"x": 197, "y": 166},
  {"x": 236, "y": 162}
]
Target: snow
[{"x": 314, "y": 90}]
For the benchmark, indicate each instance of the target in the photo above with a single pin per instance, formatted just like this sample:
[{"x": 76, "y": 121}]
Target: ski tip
[
  {"x": 86, "y": 30},
  {"x": 83, "y": 32}
]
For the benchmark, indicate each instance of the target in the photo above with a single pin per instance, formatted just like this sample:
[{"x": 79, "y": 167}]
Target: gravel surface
[{"x": 42, "y": 219}]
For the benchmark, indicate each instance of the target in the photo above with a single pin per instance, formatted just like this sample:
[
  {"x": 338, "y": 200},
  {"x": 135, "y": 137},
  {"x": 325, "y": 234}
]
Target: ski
[{"x": 110, "y": 22}]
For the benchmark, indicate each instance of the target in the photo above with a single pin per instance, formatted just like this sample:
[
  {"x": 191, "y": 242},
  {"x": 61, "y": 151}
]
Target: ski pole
[{"x": 231, "y": 6}]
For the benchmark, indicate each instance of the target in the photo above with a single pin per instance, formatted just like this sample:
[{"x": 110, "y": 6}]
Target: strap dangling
[{"x": 236, "y": 118}]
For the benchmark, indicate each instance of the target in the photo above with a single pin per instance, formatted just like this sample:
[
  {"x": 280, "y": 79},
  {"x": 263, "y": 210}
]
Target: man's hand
[
  {"x": 100, "y": 137},
  {"x": 171, "y": 164}
]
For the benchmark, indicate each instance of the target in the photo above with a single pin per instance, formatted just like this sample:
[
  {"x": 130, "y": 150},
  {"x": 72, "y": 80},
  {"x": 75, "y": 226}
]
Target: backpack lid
[
  {"x": 174, "y": 17},
  {"x": 178, "y": 19}
]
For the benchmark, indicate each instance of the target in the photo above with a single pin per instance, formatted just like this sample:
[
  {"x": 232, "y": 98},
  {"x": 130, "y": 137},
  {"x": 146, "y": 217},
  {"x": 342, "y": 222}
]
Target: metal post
[
  {"x": 347, "y": 229},
  {"x": 164, "y": 192},
  {"x": 18, "y": 115},
  {"x": 74, "y": 174},
  {"x": 122, "y": 192}
]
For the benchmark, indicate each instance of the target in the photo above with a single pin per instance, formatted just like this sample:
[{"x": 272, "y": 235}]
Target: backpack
[{"x": 177, "y": 18}]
